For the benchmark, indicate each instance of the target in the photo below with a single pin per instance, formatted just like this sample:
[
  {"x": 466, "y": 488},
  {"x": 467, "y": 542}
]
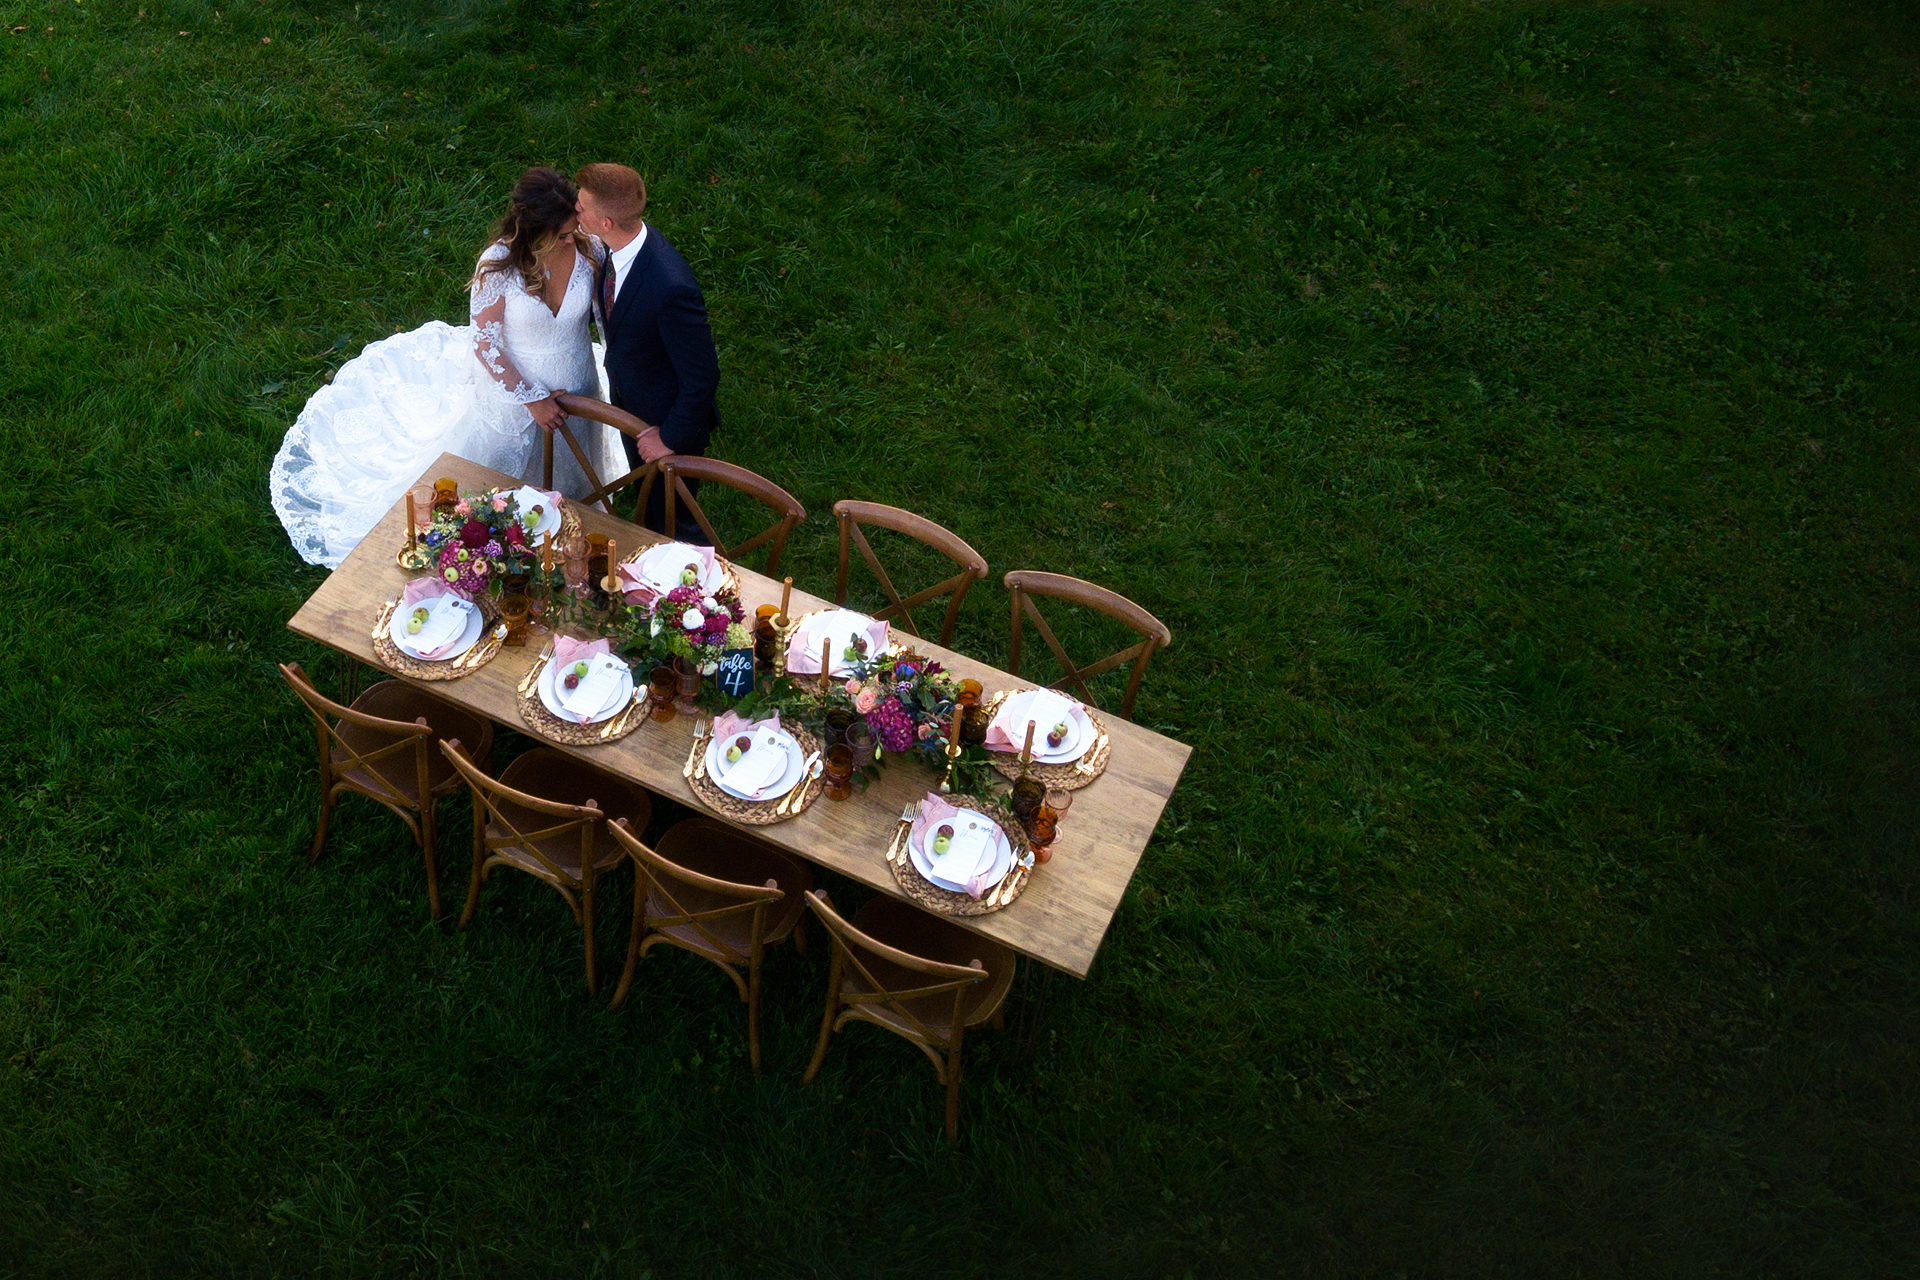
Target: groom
[{"x": 661, "y": 363}]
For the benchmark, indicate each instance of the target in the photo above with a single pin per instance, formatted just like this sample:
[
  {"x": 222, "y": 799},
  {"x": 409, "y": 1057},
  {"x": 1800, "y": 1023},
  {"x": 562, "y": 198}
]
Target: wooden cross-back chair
[
  {"x": 720, "y": 894},
  {"x": 545, "y": 816},
  {"x": 973, "y": 566},
  {"x": 676, "y": 469},
  {"x": 378, "y": 748},
  {"x": 916, "y": 975},
  {"x": 1025, "y": 584},
  {"x": 594, "y": 411}
]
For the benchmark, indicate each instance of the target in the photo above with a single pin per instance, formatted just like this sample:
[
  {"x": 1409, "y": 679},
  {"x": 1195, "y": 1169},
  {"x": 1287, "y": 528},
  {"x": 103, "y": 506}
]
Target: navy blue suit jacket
[{"x": 661, "y": 361}]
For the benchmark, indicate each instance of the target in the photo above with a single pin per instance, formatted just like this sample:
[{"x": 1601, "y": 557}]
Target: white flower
[
  {"x": 693, "y": 620},
  {"x": 655, "y": 621},
  {"x": 710, "y": 668},
  {"x": 710, "y": 604}
]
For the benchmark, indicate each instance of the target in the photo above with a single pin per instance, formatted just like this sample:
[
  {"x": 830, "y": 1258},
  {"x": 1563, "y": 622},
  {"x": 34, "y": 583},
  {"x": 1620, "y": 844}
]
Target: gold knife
[{"x": 693, "y": 752}]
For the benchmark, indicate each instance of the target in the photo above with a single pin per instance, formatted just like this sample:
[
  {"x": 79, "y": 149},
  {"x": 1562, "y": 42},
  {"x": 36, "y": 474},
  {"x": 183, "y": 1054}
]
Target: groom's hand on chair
[
  {"x": 652, "y": 447},
  {"x": 547, "y": 413}
]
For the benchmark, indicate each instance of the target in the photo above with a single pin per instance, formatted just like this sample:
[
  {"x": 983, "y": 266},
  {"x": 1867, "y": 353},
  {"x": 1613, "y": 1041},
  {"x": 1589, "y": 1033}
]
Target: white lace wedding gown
[{"x": 403, "y": 401}]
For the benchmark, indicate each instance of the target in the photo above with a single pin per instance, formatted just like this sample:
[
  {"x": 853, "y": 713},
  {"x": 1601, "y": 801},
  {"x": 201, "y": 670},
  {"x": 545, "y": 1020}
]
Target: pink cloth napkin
[
  {"x": 803, "y": 655},
  {"x": 729, "y": 726},
  {"x": 934, "y": 811},
  {"x": 1008, "y": 729},
  {"x": 641, "y": 592},
  {"x": 432, "y": 587},
  {"x": 567, "y": 649}
]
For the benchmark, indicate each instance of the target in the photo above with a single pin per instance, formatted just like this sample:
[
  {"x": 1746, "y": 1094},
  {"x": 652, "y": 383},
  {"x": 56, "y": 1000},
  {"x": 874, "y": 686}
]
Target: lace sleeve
[{"x": 488, "y": 309}]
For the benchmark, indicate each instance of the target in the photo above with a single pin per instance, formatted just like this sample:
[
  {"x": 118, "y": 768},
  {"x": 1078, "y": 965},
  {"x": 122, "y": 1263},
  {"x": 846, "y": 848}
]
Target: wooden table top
[{"x": 1059, "y": 920}]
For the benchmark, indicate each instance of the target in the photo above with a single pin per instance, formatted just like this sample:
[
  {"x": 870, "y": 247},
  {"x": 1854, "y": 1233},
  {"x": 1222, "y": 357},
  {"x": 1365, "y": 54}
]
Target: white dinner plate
[
  {"x": 659, "y": 567},
  {"x": 527, "y": 498},
  {"x": 397, "y": 631},
  {"x": 717, "y": 763},
  {"x": 1079, "y": 737},
  {"x": 1002, "y": 852},
  {"x": 841, "y": 625},
  {"x": 549, "y": 695}
]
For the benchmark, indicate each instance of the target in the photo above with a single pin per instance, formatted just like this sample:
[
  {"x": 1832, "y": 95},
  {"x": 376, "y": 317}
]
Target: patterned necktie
[{"x": 607, "y": 290}]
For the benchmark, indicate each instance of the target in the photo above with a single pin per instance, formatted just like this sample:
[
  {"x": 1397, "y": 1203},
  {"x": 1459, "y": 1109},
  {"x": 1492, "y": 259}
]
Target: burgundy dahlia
[
  {"x": 891, "y": 724},
  {"x": 475, "y": 534}
]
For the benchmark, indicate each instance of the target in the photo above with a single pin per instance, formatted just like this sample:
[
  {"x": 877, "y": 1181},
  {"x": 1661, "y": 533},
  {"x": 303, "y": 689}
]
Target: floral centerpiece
[
  {"x": 479, "y": 540},
  {"x": 907, "y": 700},
  {"x": 687, "y": 623}
]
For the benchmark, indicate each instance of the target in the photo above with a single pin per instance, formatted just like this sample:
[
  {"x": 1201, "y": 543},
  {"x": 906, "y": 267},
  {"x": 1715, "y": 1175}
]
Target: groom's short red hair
[{"x": 618, "y": 190}]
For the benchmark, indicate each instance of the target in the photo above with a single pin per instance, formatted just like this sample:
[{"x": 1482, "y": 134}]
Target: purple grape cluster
[{"x": 891, "y": 724}]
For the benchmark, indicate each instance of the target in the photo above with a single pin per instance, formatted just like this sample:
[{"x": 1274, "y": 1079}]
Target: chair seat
[
  {"x": 905, "y": 927},
  {"x": 554, "y": 775},
  {"x": 719, "y": 851},
  {"x": 397, "y": 700}
]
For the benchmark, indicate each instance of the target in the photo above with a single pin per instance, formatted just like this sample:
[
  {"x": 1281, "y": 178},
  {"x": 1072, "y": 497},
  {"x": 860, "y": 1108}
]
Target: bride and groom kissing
[{"x": 566, "y": 252}]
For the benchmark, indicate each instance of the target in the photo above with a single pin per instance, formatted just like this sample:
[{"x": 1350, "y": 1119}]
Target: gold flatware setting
[
  {"x": 1086, "y": 764},
  {"x": 795, "y": 798},
  {"x": 386, "y": 613},
  {"x": 695, "y": 759}
]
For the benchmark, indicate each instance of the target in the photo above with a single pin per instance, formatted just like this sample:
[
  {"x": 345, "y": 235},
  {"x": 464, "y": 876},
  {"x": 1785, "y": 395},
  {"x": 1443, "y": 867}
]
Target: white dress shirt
[{"x": 623, "y": 258}]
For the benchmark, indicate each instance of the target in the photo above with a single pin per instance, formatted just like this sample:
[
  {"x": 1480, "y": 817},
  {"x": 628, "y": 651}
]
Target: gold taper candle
[
  {"x": 826, "y": 662},
  {"x": 958, "y": 712},
  {"x": 613, "y": 561},
  {"x": 546, "y": 554},
  {"x": 786, "y": 592},
  {"x": 413, "y": 526}
]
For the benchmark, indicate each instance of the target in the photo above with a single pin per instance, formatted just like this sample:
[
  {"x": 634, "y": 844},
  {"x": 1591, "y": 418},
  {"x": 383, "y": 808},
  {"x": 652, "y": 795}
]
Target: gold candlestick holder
[
  {"x": 953, "y": 763},
  {"x": 782, "y": 636}
]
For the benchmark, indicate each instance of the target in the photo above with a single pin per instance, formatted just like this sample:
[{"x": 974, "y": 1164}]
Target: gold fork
[
  {"x": 386, "y": 612},
  {"x": 898, "y": 846},
  {"x": 533, "y": 672}
]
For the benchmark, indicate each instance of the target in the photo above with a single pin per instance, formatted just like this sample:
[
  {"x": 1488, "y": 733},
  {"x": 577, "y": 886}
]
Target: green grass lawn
[{"x": 1510, "y": 406}]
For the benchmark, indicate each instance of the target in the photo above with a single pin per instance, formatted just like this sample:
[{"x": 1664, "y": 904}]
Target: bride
[{"x": 477, "y": 391}]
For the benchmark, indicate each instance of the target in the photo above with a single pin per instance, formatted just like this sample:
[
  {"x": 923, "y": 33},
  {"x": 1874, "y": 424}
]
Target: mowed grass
[{"x": 1510, "y": 407}]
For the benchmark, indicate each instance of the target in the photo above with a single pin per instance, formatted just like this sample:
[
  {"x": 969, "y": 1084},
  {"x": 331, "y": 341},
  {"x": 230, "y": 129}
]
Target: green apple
[
  {"x": 941, "y": 844},
  {"x": 688, "y": 577},
  {"x": 413, "y": 626},
  {"x": 580, "y": 668},
  {"x": 733, "y": 755}
]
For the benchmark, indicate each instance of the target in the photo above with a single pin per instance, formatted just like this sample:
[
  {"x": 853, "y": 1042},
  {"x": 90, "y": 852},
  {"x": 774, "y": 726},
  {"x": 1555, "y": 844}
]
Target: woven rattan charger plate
[
  {"x": 925, "y": 893},
  {"x": 570, "y": 528},
  {"x": 729, "y": 580},
  {"x": 484, "y": 649},
  {"x": 567, "y": 732},
  {"x": 1070, "y": 776},
  {"x": 755, "y": 813}
]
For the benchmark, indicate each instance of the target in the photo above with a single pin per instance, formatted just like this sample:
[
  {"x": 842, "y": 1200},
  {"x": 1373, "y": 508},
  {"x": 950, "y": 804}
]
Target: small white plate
[
  {"x": 1002, "y": 853},
  {"x": 527, "y": 498},
  {"x": 549, "y": 696},
  {"x": 717, "y": 762},
  {"x": 660, "y": 566},
  {"x": 1079, "y": 737},
  {"x": 397, "y": 632}
]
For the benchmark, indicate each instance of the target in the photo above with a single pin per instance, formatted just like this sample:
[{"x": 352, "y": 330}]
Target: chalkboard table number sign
[{"x": 735, "y": 675}]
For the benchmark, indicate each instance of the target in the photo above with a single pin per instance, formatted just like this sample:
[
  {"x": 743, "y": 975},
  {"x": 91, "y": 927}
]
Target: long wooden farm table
[{"x": 1059, "y": 920}]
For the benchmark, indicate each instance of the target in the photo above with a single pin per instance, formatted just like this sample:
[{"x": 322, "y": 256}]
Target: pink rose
[
  {"x": 853, "y": 688},
  {"x": 865, "y": 701},
  {"x": 463, "y": 508},
  {"x": 924, "y": 732},
  {"x": 499, "y": 502}
]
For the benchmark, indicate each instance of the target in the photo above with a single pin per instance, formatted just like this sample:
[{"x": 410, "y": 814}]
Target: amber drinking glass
[
  {"x": 446, "y": 492},
  {"x": 839, "y": 772},
  {"x": 839, "y": 721},
  {"x": 513, "y": 612},
  {"x": 661, "y": 686},
  {"x": 764, "y": 636}
]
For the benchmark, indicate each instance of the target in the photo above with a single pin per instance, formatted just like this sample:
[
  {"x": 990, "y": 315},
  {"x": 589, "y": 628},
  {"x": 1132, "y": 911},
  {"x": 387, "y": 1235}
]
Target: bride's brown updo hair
[{"x": 541, "y": 204}]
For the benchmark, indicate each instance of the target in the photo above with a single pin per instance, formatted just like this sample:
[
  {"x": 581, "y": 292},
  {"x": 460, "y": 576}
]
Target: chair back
[
  {"x": 973, "y": 566},
  {"x": 852, "y": 948},
  {"x": 668, "y": 882},
  {"x": 594, "y": 411},
  {"x": 1025, "y": 584},
  {"x": 490, "y": 799},
  {"x": 328, "y": 715},
  {"x": 676, "y": 469}
]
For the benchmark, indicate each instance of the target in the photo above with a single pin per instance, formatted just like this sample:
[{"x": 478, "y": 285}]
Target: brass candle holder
[
  {"x": 783, "y": 629},
  {"x": 953, "y": 749}
]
